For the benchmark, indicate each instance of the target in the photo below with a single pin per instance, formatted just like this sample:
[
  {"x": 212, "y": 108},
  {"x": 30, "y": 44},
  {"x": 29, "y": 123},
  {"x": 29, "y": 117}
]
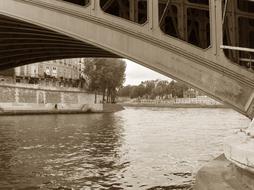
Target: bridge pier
[
  {"x": 221, "y": 174},
  {"x": 250, "y": 130},
  {"x": 235, "y": 169},
  {"x": 239, "y": 148}
]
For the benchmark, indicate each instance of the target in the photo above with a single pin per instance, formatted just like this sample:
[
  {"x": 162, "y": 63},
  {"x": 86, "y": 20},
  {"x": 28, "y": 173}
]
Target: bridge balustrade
[{"x": 187, "y": 20}]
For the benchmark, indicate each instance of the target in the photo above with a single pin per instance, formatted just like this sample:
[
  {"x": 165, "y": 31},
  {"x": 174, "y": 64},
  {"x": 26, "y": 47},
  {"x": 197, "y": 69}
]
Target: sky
[{"x": 136, "y": 73}]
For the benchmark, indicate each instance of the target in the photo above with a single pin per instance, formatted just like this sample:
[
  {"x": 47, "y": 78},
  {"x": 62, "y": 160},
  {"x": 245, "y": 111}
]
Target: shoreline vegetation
[{"x": 163, "y": 93}]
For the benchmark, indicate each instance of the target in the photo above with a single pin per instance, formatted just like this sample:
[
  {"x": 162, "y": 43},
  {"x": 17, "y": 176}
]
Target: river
[{"x": 137, "y": 148}]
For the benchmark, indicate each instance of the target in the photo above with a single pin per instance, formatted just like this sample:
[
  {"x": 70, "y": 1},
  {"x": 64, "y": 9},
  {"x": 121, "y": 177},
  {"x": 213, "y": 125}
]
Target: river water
[{"x": 137, "y": 148}]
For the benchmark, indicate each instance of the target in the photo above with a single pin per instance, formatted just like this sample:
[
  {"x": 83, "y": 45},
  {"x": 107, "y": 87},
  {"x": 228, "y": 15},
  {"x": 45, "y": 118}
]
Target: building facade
[{"x": 59, "y": 73}]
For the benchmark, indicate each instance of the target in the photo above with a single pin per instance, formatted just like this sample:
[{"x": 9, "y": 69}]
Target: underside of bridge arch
[{"x": 23, "y": 43}]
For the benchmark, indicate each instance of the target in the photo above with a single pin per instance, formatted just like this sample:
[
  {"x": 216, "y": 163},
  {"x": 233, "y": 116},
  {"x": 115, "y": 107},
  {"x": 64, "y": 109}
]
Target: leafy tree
[
  {"x": 105, "y": 76},
  {"x": 125, "y": 91},
  {"x": 140, "y": 90},
  {"x": 153, "y": 88}
]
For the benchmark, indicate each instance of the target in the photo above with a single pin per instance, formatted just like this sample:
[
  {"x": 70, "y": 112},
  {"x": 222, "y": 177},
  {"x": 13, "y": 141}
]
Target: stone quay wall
[{"x": 27, "y": 98}]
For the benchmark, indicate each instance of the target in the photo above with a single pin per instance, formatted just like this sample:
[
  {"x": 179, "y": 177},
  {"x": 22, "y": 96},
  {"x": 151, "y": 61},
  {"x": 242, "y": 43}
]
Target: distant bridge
[{"x": 207, "y": 44}]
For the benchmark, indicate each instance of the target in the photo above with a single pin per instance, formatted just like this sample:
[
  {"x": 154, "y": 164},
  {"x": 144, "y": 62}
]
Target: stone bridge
[{"x": 207, "y": 44}]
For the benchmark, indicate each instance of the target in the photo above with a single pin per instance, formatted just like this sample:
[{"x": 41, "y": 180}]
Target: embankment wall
[{"x": 37, "y": 99}]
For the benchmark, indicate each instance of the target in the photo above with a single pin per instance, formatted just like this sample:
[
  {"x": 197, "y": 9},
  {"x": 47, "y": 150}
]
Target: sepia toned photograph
[{"x": 126, "y": 94}]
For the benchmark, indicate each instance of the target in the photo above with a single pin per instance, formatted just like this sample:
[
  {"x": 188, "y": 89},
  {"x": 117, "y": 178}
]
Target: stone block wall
[
  {"x": 26, "y": 95},
  {"x": 90, "y": 98},
  {"x": 47, "y": 98},
  {"x": 70, "y": 98},
  {"x": 53, "y": 97},
  {"x": 7, "y": 94}
]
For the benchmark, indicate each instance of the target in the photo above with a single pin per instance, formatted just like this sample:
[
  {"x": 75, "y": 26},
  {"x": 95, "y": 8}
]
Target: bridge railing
[{"x": 238, "y": 32}]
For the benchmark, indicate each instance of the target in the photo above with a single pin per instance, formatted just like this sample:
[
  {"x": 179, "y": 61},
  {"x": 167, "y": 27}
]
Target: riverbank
[
  {"x": 197, "y": 102},
  {"x": 175, "y": 105},
  {"x": 35, "y": 109},
  {"x": 50, "y": 108},
  {"x": 111, "y": 108}
]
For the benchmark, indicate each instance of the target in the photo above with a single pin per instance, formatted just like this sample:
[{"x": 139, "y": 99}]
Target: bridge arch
[{"x": 61, "y": 30}]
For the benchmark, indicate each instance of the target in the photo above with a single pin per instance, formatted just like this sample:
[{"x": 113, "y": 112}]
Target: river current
[{"x": 137, "y": 148}]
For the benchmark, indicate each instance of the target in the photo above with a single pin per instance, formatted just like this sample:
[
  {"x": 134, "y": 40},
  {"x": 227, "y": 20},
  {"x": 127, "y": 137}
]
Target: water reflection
[
  {"x": 8, "y": 146},
  {"x": 59, "y": 150},
  {"x": 144, "y": 148}
]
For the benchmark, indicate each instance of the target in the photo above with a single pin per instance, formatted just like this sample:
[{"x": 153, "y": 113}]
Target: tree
[
  {"x": 153, "y": 88},
  {"x": 178, "y": 89},
  {"x": 106, "y": 76},
  {"x": 125, "y": 91}
]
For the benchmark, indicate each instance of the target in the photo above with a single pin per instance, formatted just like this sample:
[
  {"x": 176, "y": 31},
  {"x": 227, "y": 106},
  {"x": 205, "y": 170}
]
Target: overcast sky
[{"x": 136, "y": 73}]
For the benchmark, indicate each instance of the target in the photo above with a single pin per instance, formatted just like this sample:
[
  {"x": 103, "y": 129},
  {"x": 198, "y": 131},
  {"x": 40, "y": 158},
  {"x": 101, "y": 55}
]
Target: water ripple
[{"x": 138, "y": 148}]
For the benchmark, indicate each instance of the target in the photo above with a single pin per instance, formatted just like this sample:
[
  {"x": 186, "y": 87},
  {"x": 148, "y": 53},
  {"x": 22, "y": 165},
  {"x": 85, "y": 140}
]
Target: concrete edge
[
  {"x": 221, "y": 174},
  {"x": 239, "y": 150}
]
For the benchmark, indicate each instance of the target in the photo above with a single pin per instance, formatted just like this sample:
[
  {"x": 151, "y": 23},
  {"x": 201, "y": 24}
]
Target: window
[
  {"x": 238, "y": 31},
  {"x": 185, "y": 21},
  {"x": 78, "y": 2},
  {"x": 245, "y": 5},
  {"x": 204, "y": 2},
  {"x": 133, "y": 10},
  {"x": 54, "y": 71}
]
